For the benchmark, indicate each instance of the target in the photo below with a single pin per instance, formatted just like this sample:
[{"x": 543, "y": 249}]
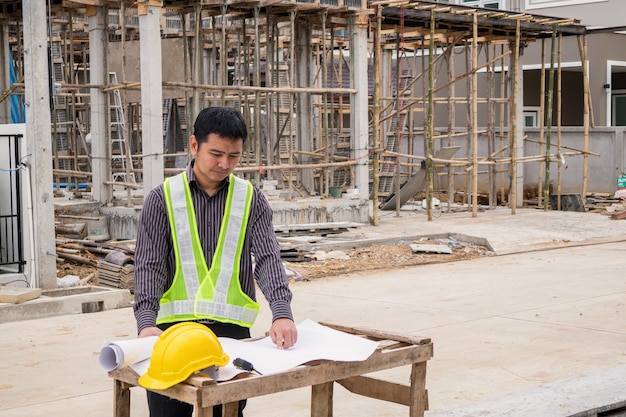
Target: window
[
  {"x": 539, "y": 4},
  {"x": 488, "y": 4},
  {"x": 531, "y": 116}
]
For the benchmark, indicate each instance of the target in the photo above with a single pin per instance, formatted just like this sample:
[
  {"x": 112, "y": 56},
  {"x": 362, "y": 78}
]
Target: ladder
[
  {"x": 121, "y": 162},
  {"x": 387, "y": 172}
]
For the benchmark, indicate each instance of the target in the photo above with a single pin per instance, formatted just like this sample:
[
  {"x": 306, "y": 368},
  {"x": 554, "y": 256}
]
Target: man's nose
[{"x": 223, "y": 161}]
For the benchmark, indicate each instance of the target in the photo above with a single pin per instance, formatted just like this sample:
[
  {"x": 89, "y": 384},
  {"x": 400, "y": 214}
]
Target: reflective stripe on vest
[{"x": 197, "y": 292}]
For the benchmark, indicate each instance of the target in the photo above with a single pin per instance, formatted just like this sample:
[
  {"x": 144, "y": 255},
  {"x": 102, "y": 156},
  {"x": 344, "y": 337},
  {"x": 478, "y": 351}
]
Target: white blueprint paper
[{"x": 314, "y": 342}]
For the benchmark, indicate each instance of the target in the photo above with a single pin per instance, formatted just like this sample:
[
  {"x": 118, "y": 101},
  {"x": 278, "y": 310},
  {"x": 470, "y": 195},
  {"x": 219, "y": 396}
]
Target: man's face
[{"x": 215, "y": 159}]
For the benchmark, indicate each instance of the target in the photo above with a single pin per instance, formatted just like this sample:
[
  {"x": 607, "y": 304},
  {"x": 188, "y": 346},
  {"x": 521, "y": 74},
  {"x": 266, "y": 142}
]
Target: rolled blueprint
[{"x": 115, "y": 355}]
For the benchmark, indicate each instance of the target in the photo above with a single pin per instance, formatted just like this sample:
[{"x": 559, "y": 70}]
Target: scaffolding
[{"x": 440, "y": 76}]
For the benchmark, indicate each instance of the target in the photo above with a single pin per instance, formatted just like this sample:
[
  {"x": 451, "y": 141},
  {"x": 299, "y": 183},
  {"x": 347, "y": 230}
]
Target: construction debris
[
  {"x": 117, "y": 270},
  {"x": 419, "y": 247}
]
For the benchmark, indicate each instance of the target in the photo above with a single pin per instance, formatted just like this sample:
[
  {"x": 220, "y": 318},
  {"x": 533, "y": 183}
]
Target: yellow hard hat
[{"x": 181, "y": 350}]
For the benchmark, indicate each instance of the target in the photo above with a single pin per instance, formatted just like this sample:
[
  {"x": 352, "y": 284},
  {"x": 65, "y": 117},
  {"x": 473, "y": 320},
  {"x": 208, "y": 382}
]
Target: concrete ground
[{"x": 501, "y": 326}]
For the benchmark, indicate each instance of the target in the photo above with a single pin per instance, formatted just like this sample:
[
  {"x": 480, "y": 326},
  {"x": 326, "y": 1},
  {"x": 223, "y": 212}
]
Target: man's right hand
[{"x": 150, "y": 331}]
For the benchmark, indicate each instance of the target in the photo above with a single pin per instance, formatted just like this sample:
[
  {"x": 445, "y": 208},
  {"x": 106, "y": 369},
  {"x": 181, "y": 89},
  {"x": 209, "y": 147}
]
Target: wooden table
[{"x": 394, "y": 350}]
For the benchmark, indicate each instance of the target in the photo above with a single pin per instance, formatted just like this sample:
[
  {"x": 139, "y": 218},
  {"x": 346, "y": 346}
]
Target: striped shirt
[{"x": 155, "y": 261}]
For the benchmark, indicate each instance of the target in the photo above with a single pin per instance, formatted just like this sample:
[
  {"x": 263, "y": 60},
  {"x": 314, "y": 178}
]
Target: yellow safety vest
[{"x": 196, "y": 291}]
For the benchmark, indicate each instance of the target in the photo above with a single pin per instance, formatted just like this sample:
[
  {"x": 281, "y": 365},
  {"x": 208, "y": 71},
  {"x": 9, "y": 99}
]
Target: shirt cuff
[
  {"x": 145, "y": 319},
  {"x": 281, "y": 309}
]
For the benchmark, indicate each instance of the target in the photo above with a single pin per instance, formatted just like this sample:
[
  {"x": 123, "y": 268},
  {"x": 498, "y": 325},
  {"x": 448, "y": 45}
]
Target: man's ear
[{"x": 193, "y": 145}]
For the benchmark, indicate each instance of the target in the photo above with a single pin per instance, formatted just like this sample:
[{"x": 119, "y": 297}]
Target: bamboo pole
[
  {"x": 513, "y": 133},
  {"x": 546, "y": 188},
  {"x": 468, "y": 119},
  {"x": 292, "y": 83},
  {"x": 502, "y": 115},
  {"x": 376, "y": 112},
  {"x": 542, "y": 113},
  {"x": 451, "y": 125},
  {"x": 490, "y": 128},
  {"x": 559, "y": 113},
  {"x": 582, "y": 44},
  {"x": 430, "y": 150},
  {"x": 580, "y": 151},
  {"x": 224, "y": 56},
  {"x": 186, "y": 73},
  {"x": 398, "y": 131},
  {"x": 325, "y": 102},
  {"x": 474, "y": 117},
  {"x": 257, "y": 96}
]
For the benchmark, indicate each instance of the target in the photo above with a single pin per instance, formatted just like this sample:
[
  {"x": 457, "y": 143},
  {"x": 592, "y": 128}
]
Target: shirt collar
[{"x": 191, "y": 177}]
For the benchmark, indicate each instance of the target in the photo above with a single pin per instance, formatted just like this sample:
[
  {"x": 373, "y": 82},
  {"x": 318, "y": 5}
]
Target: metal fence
[{"x": 11, "y": 216}]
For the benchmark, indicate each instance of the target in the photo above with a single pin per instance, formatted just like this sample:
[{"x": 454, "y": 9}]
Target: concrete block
[{"x": 16, "y": 295}]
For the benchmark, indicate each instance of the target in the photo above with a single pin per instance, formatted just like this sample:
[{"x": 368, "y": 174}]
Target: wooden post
[
  {"x": 546, "y": 188},
  {"x": 121, "y": 399},
  {"x": 418, "y": 397},
  {"x": 376, "y": 112},
  {"x": 322, "y": 400},
  {"x": 513, "y": 132},
  {"x": 474, "y": 107},
  {"x": 430, "y": 147}
]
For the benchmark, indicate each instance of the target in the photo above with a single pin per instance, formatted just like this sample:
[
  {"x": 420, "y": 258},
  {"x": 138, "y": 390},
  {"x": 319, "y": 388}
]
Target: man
[{"x": 218, "y": 289}]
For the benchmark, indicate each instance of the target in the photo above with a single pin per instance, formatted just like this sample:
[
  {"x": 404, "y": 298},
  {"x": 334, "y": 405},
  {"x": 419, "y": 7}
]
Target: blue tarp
[{"x": 18, "y": 115}]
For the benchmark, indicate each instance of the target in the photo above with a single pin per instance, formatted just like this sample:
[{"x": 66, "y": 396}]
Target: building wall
[
  {"x": 601, "y": 48},
  {"x": 591, "y": 13}
]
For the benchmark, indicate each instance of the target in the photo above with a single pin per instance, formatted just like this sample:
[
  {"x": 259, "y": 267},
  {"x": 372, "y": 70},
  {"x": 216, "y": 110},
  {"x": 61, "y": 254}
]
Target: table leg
[
  {"x": 322, "y": 400},
  {"x": 230, "y": 409},
  {"x": 418, "y": 390},
  {"x": 121, "y": 399}
]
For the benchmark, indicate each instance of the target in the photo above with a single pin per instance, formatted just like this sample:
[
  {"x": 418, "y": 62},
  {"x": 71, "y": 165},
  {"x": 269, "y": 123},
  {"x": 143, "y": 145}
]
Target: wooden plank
[
  {"x": 378, "y": 334},
  {"x": 378, "y": 389},
  {"x": 16, "y": 295}
]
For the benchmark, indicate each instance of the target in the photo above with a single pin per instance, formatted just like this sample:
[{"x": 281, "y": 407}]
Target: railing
[{"x": 11, "y": 219}]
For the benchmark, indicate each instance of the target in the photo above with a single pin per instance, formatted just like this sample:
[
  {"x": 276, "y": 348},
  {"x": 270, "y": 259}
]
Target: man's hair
[{"x": 223, "y": 121}]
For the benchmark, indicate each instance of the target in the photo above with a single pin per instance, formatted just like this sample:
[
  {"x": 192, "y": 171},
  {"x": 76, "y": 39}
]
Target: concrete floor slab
[{"x": 499, "y": 325}]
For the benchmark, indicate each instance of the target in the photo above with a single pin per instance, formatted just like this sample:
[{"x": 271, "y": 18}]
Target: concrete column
[
  {"x": 39, "y": 141},
  {"x": 359, "y": 102},
  {"x": 304, "y": 108},
  {"x": 151, "y": 93},
  {"x": 97, "y": 76}
]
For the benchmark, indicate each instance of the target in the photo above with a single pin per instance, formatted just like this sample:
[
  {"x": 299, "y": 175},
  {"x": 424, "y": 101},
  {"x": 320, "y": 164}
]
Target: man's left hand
[{"x": 284, "y": 333}]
